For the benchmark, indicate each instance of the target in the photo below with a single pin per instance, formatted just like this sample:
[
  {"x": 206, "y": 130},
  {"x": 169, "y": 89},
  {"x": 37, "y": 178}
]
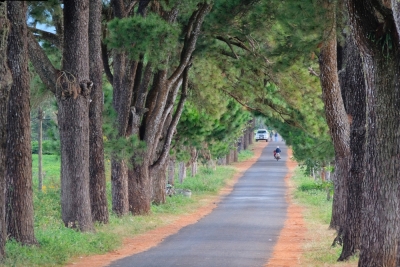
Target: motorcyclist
[{"x": 276, "y": 151}]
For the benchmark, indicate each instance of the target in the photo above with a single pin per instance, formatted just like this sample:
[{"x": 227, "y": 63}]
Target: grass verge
[
  {"x": 58, "y": 244},
  {"x": 317, "y": 211}
]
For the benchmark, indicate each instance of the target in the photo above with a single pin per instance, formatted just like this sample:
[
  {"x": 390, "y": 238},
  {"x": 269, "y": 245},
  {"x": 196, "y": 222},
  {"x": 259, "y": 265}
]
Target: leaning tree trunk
[
  {"x": 6, "y": 80},
  {"x": 158, "y": 108},
  {"x": 73, "y": 97},
  {"x": 19, "y": 217},
  {"x": 379, "y": 45},
  {"x": 353, "y": 87},
  {"x": 98, "y": 194},
  {"x": 336, "y": 118}
]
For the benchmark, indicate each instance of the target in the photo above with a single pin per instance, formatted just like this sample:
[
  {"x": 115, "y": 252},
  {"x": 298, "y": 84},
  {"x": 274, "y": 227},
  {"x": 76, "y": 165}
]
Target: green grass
[
  {"x": 208, "y": 181},
  {"x": 245, "y": 155},
  {"x": 312, "y": 196},
  {"x": 58, "y": 244}
]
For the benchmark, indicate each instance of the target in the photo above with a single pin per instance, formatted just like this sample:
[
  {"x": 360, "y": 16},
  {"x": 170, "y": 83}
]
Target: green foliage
[
  {"x": 115, "y": 145},
  {"x": 314, "y": 186},
  {"x": 151, "y": 36},
  {"x": 48, "y": 147}
]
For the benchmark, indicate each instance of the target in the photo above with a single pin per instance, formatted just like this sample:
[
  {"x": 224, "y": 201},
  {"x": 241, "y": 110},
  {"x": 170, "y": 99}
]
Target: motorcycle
[{"x": 277, "y": 156}]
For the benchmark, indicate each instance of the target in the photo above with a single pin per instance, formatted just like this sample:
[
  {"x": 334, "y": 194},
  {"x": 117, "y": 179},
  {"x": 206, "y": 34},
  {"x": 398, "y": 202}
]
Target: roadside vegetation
[
  {"x": 59, "y": 244},
  {"x": 317, "y": 211}
]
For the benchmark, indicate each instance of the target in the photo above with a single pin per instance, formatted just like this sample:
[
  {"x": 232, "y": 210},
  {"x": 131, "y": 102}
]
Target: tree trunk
[
  {"x": 171, "y": 171},
  {"x": 193, "y": 161},
  {"x": 140, "y": 192},
  {"x": 119, "y": 188},
  {"x": 157, "y": 108},
  {"x": 381, "y": 65},
  {"x": 73, "y": 97},
  {"x": 19, "y": 204},
  {"x": 353, "y": 86},
  {"x": 235, "y": 155},
  {"x": 98, "y": 194},
  {"x": 245, "y": 141},
  {"x": 6, "y": 80},
  {"x": 336, "y": 118},
  {"x": 40, "y": 152},
  {"x": 182, "y": 172},
  {"x": 240, "y": 144},
  {"x": 228, "y": 158},
  {"x": 159, "y": 179}
]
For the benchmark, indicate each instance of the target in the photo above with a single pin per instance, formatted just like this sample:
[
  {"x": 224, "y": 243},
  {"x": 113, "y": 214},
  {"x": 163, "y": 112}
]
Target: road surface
[{"x": 241, "y": 231}]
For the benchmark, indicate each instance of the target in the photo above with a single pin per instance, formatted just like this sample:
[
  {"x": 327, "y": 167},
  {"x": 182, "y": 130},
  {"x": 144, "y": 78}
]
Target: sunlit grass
[{"x": 312, "y": 196}]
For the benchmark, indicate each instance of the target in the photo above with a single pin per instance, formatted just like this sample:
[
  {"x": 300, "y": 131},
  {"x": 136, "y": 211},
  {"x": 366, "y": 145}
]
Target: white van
[{"x": 262, "y": 134}]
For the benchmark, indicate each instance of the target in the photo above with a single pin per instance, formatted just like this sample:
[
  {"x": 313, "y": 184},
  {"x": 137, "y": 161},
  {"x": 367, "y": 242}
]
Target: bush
[
  {"x": 49, "y": 147},
  {"x": 311, "y": 185}
]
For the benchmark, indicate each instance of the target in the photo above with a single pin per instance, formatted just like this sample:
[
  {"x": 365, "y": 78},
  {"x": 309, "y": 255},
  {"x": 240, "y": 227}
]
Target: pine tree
[{"x": 19, "y": 192}]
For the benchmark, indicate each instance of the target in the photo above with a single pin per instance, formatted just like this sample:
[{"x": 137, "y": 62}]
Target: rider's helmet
[{"x": 277, "y": 147}]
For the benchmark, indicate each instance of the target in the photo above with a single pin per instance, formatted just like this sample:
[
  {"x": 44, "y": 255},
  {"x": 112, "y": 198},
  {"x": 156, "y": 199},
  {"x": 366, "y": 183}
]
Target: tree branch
[
  {"x": 237, "y": 99},
  {"x": 130, "y": 6},
  {"x": 172, "y": 127},
  {"x": 52, "y": 38},
  {"x": 192, "y": 33},
  {"x": 107, "y": 69},
  {"x": 229, "y": 44},
  {"x": 42, "y": 64}
]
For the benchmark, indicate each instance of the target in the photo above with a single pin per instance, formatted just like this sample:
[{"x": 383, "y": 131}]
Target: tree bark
[
  {"x": 336, "y": 118},
  {"x": 19, "y": 217},
  {"x": 235, "y": 155},
  {"x": 140, "y": 193},
  {"x": 379, "y": 45},
  {"x": 119, "y": 188},
  {"x": 6, "y": 80},
  {"x": 159, "y": 179},
  {"x": 73, "y": 97},
  {"x": 353, "y": 87},
  {"x": 98, "y": 194}
]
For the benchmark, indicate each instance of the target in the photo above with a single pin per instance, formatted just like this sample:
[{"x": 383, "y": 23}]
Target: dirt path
[{"x": 286, "y": 252}]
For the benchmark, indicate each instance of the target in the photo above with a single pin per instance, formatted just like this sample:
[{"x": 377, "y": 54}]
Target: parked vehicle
[{"x": 262, "y": 134}]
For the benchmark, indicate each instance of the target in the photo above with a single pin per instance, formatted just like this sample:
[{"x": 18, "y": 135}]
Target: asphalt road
[{"x": 241, "y": 231}]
